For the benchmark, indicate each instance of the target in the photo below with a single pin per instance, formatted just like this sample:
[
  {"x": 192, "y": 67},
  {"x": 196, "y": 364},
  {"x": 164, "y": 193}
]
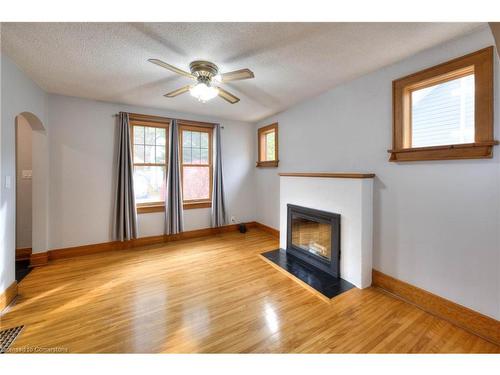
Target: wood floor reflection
[{"x": 212, "y": 295}]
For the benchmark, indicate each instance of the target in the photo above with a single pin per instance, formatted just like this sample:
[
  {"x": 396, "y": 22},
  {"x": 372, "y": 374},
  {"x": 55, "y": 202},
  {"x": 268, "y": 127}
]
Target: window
[
  {"x": 268, "y": 146},
  {"x": 196, "y": 165},
  {"x": 445, "y": 112},
  {"x": 149, "y": 137}
]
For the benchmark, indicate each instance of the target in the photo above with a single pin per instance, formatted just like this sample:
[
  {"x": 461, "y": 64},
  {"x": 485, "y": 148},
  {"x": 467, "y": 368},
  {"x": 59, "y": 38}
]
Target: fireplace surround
[
  {"x": 348, "y": 194},
  {"x": 314, "y": 237},
  {"x": 313, "y": 256}
]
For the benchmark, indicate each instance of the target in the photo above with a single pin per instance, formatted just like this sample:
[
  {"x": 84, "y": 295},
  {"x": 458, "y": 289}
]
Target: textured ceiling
[{"x": 291, "y": 61}]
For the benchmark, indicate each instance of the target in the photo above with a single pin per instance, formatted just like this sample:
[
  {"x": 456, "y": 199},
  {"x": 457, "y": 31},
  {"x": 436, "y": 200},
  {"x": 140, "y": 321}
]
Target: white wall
[
  {"x": 436, "y": 224},
  {"x": 82, "y": 158},
  {"x": 23, "y": 185},
  {"x": 20, "y": 94}
]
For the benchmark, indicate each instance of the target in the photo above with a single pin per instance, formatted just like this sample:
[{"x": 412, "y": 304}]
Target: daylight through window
[
  {"x": 196, "y": 166},
  {"x": 150, "y": 163},
  {"x": 268, "y": 146},
  {"x": 446, "y": 111}
]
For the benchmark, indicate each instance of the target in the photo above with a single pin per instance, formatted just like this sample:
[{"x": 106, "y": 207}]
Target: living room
[{"x": 250, "y": 187}]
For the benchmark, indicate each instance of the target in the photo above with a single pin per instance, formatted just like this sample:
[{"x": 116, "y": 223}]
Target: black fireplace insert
[{"x": 314, "y": 237}]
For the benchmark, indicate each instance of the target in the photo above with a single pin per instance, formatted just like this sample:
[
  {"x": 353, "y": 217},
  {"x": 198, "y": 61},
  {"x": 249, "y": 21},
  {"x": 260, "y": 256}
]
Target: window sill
[
  {"x": 150, "y": 209},
  {"x": 478, "y": 150},
  {"x": 194, "y": 205},
  {"x": 267, "y": 164},
  {"x": 161, "y": 208}
]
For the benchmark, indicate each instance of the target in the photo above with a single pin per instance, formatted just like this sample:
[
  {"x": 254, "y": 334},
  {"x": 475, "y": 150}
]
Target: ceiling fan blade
[
  {"x": 171, "y": 68},
  {"x": 182, "y": 90},
  {"x": 237, "y": 75},
  {"x": 227, "y": 96}
]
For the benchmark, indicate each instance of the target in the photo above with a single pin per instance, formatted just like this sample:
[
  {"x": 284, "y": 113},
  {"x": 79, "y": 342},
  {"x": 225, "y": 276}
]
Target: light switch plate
[{"x": 8, "y": 182}]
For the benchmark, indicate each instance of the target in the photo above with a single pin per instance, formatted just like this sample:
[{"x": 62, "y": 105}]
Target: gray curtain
[
  {"x": 125, "y": 214},
  {"x": 218, "y": 204},
  {"x": 174, "y": 217}
]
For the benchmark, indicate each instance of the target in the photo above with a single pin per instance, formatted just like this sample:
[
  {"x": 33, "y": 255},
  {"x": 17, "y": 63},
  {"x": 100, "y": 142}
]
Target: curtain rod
[{"x": 201, "y": 123}]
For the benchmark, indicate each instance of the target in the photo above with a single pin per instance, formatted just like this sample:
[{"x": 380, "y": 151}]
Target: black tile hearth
[{"x": 327, "y": 285}]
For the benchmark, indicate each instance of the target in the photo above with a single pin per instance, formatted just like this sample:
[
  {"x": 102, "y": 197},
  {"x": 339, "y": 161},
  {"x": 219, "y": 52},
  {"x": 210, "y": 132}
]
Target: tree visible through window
[
  {"x": 268, "y": 146},
  {"x": 150, "y": 163},
  {"x": 196, "y": 151}
]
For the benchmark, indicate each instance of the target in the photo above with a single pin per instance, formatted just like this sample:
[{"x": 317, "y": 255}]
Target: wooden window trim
[
  {"x": 260, "y": 135},
  {"x": 167, "y": 121},
  {"x": 147, "y": 209},
  {"x": 156, "y": 122},
  {"x": 137, "y": 117},
  {"x": 198, "y": 127},
  {"x": 481, "y": 64},
  {"x": 195, "y": 205}
]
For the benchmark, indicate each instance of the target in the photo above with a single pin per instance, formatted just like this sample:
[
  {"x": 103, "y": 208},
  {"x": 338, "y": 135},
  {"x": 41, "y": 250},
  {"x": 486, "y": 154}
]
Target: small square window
[
  {"x": 446, "y": 111},
  {"x": 268, "y": 146}
]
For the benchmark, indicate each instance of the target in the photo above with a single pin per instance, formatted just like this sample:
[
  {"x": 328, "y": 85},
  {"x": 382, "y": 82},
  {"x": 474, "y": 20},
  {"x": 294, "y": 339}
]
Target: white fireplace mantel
[{"x": 351, "y": 196}]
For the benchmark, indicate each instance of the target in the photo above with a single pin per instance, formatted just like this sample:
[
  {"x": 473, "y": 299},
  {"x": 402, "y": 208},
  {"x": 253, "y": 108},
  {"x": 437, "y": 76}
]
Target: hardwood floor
[{"x": 212, "y": 294}]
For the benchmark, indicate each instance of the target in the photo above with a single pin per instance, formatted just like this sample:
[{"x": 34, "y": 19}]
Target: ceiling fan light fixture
[
  {"x": 203, "y": 92},
  {"x": 207, "y": 77}
]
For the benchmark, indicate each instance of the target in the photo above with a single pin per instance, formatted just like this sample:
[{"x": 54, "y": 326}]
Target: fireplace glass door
[{"x": 312, "y": 236}]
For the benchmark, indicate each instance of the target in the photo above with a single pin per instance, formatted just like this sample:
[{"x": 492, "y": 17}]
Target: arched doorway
[{"x": 26, "y": 125}]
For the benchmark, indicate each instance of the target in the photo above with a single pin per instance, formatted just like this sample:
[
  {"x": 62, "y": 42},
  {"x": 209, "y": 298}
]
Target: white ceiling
[{"x": 291, "y": 61}]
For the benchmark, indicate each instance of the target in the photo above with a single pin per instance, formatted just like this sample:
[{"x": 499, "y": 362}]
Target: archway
[{"x": 28, "y": 130}]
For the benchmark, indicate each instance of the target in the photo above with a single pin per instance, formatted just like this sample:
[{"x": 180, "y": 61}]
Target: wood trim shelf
[
  {"x": 483, "y": 150},
  {"x": 463, "y": 317},
  {"x": 267, "y": 164},
  {"x": 8, "y": 295},
  {"x": 329, "y": 175}
]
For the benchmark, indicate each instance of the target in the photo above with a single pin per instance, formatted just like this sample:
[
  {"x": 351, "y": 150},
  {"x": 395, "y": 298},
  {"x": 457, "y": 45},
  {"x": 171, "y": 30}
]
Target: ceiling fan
[{"x": 205, "y": 73}]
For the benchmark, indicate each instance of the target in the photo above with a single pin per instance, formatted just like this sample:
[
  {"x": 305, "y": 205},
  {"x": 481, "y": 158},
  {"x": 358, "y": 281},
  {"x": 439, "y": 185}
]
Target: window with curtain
[
  {"x": 150, "y": 143},
  {"x": 196, "y": 165}
]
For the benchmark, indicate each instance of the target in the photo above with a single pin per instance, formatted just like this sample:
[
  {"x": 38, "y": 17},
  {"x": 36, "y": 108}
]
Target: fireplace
[{"x": 314, "y": 237}]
